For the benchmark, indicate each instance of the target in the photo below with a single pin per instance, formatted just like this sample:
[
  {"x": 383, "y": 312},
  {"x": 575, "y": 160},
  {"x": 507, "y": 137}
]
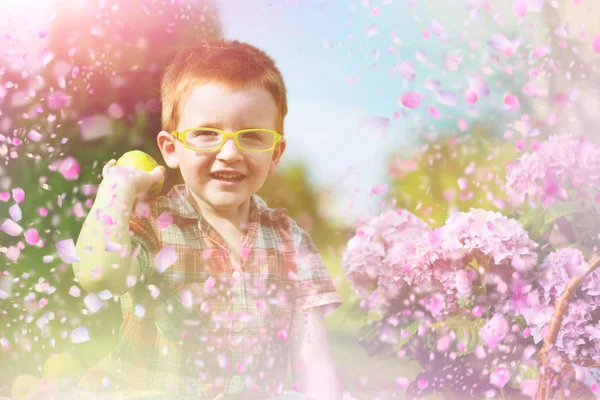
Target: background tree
[{"x": 95, "y": 97}]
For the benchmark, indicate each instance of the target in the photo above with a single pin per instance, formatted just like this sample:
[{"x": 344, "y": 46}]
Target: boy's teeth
[{"x": 227, "y": 176}]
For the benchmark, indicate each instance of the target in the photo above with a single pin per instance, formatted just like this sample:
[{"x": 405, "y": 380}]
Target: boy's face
[{"x": 212, "y": 105}]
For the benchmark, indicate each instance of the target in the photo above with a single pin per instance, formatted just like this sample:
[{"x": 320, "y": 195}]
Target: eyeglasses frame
[{"x": 181, "y": 136}]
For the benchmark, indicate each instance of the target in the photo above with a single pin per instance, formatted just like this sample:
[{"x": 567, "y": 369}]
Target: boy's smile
[{"x": 222, "y": 181}]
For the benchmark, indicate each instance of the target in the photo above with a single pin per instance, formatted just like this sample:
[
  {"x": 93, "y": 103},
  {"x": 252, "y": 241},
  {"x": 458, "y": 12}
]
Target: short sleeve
[
  {"x": 315, "y": 287},
  {"x": 144, "y": 239}
]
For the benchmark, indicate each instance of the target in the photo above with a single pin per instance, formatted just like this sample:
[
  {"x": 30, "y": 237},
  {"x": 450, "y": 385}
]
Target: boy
[{"x": 216, "y": 288}]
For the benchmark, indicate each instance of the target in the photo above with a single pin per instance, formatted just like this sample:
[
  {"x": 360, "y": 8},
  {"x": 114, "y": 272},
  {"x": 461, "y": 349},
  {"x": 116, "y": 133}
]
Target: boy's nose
[{"x": 229, "y": 150}]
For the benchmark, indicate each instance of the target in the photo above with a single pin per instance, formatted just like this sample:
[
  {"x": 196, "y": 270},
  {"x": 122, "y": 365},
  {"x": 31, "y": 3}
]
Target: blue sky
[
  {"x": 322, "y": 126},
  {"x": 325, "y": 110}
]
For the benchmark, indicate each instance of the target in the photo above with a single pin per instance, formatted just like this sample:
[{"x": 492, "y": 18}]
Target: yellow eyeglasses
[{"x": 211, "y": 139}]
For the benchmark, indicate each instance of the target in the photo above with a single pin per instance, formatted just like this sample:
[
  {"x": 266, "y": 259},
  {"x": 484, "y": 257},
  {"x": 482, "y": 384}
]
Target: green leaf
[
  {"x": 533, "y": 221},
  {"x": 562, "y": 209},
  {"x": 412, "y": 330},
  {"x": 466, "y": 330}
]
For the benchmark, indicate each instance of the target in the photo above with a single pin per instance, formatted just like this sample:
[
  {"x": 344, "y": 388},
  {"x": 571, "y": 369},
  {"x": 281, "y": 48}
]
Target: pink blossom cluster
[
  {"x": 397, "y": 251},
  {"x": 377, "y": 257},
  {"x": 561, "y": 162},
  {"x": 580, "y": 330}
]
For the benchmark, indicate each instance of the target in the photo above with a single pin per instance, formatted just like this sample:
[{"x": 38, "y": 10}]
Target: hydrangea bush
[{"x": 472, "y": 300}]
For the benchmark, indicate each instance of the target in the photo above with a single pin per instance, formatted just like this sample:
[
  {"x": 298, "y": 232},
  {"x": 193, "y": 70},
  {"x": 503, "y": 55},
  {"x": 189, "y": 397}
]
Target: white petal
[
  {"x": 15, "y": 212},
  {"x": 139, "y": 311},
  {"x": 93, "y": 302},
  {"x": 11, "y": 228},
  {"x": 75, "y": 291},
  {"x": 80, "y": 335},
  {"x": 66, "y": 251},
  {"x": 34, "y": 135},
  {"x": 165, "y": 258}
]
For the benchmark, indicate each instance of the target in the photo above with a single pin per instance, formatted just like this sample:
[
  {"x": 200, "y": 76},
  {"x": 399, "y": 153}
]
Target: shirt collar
[{"x": 180, "y": 203}]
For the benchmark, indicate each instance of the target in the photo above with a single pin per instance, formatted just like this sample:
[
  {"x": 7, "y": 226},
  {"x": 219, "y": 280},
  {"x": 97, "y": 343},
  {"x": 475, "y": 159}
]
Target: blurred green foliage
[{"x": 427, "y": 183}]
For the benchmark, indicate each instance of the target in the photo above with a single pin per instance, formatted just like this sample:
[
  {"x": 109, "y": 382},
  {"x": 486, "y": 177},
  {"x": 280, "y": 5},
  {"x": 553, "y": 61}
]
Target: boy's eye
[
  {"x": 203, "y": 134},
  {"x": 253, "y": 135}
]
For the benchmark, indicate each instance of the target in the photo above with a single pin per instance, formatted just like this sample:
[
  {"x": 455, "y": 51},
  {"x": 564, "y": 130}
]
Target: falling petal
[
  {"x": 13, "y": 253},
  {"x": 378, "y": 190},
  {"x": 11, "y": 228},
  {"x": 209, "y": 284},
  {"x": 112, "y": 247},
  {"x": 529, "y": 388},
  {"x": 376, "y": 127},
  {"x": 165, "y": 258},
  {"x": 471, "y": 97},
  {"x": 479, "y": 85},
  {"x": 139, "y": 311},
  {"x": 222, "y": 361},
  {"x": 15, "y": 212},
  {"x": 411, "y": 100},
  {"x": 407, "y": 70},
  {"x": 58, "y": 100},
  {"x": 446, "y": 97},
  {"x": 596, "y": 43},
  {"x": 32, "y": 237},
  {"x": 283, "y": 334},
  {"x": 47, "y": 56},
  {"x": 66, "y": 251},
  {"x": 80, "y": 335},
  {"x": 145, "y": 8},
  {"x": 434, "y": 112},
  {"x": 519, "y": 8},
  {"x": 34, "y": 136},
  {"x": 371, "y": 30},
  {"x": 18, "y": 195},
  {"x": 69, "y": 168},
  {"x": 187, "y": 298},
  {"x": 535, "y": 5},
  {"x": 432, "y": 84},
  {"x": 463, "y": 125},
  {"x": 452, "y": 62},
  {"x": 499, "y": 42},
  {"x": 115, "y": 111},
  {"x": 511, "y": 102},
  {"x": 74, "y": 291},
  {"x": 93, "y": 302},
  {"x": 500, "y": 377},
  {"x": 164, "y": 220}
]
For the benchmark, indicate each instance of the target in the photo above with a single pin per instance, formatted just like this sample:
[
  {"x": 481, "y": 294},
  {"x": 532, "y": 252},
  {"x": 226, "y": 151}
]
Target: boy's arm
[
  {"x": 104, "y": 244},
  {"x": 313, "y": 368}
]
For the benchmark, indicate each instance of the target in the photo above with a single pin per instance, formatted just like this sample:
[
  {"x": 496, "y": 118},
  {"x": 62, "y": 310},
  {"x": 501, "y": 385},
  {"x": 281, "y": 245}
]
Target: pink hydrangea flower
[{"x": 544, "y": 175}]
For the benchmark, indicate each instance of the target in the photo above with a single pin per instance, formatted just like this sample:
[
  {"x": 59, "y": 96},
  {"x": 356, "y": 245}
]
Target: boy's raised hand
[{"x": 144, "y": 183}]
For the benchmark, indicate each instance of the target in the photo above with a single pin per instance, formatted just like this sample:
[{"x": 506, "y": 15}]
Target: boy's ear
[
  {"x": 166, "y": 144},
  {"x": 279, "y": 150}
]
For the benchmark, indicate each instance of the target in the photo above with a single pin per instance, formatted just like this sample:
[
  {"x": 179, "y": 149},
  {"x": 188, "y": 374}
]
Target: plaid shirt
[{"x": 195, "y": 328}]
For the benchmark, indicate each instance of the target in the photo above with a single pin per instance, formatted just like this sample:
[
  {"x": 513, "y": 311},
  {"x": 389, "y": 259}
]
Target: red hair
[{"x": 231, "y": 63}]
